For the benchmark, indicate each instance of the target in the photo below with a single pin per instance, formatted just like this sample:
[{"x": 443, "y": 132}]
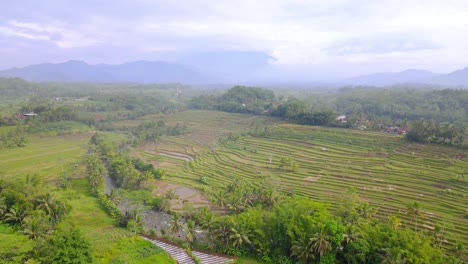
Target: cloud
[
  {"x": 381, "y": 44},
  {"x": 296, "y": 32},
  {"x": 55, "y": 33}
]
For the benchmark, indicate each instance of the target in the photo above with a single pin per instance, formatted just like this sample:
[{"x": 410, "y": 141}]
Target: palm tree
[
  {"x": 393, "y": 256},
  {"x": 3, "y": 206},
  {"x": 16, "y": 214},
  {"x": 240, "y": 236},
  {"x": 46, "y": 202},
  {"x": 209, "y": 223},
  {"x": 175, "y": 224},
  {"x": 415, "y": 211},
  {"x": 191, "y": 231},
  {"x": 320, "y": 243},
  {"x": 394, "y": 221},
  {"x": 302, "y": 249},
  {"x": 270, "y": 197},
  {"x": 219, "y": 198},
  {"x": 36, "y": 226},
  {"x": 351, "y": 234},
  {"x": 114, "y": 197},
  {"x": 222, "y": 230}
]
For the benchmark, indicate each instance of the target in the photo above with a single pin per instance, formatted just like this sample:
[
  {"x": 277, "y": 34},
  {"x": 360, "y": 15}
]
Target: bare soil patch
[
  {"x": 312, "y": 179},
  {"x": 185, "y": 195}
]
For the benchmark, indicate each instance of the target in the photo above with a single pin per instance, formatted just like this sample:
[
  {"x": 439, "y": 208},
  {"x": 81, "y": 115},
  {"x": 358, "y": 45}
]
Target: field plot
[
  {"x": 385, "y": 169},
  {"x": 45, "y": 155}
]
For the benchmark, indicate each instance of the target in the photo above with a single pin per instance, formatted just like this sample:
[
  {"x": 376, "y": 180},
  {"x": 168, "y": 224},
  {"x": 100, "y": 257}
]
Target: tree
[
  {"x": 393, "y": 256},
  {"x": 222, "y": 230},
  {"x": 191, "y": 231},
  {"x": 66, "y": 246},
  {"x": 16, "y": 214},
  {"x": 321, "y": 243},
  {"x": 394, "y": 221},
  {"x": 114, "y": 197},
  {"x": 36, "y": 225},
  {"x": 302, "y": 249},
  {"x": 288, "y": 163},
  {"x": 415, "y": 211},
  {"x": 175, "y": 224},
  {"x": 46, "y": 202},
  {"x": 240, "y": 235},
  {"x": 3, "y": 206}
]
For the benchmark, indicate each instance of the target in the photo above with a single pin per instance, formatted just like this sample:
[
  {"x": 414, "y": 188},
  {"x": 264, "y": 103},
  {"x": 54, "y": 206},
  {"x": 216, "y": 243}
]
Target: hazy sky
[{"x": 322, "y": 37}]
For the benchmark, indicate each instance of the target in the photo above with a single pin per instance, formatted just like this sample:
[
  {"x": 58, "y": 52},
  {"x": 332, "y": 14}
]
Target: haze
[{"x": 302, "y": 40}]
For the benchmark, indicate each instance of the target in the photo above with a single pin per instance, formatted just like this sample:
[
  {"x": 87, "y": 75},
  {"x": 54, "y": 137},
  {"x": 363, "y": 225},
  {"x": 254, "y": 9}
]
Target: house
[{"x": 341, "y": 119}]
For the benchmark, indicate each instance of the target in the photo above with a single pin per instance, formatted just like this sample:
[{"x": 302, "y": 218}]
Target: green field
[
  {"x": 385, "y": 169},
  {"x": 45, "y": 155},
  {"x": 49, "y": 156}
]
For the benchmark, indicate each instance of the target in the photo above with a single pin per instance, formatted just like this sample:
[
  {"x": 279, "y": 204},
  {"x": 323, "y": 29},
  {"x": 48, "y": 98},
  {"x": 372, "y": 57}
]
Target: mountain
[
  {"x": 79, "y": 71},
  {"x": 456, "y": 78},
  {"x": 383, "y": 79},
  {"x": 70, "y": 71}
]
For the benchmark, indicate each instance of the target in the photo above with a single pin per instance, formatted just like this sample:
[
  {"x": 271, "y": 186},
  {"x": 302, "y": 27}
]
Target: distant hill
[
  {"x": 456, "y": 78},
  {"x": 382, "y": 79},
  {"x": 207, "y": 67},
  {"x": 215, "y": 67},
  {"x": 70, "y": 71},
  {"x": 79, "y": 71}
]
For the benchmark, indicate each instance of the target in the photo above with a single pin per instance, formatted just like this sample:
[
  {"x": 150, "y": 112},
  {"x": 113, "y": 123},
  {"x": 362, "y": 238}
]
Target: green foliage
[
  {"x": 239, "y": 99},
  {"x": 137, "y": 250},
  {"x": 66, "y": 246},
  {"x": 434, "y": 132}
]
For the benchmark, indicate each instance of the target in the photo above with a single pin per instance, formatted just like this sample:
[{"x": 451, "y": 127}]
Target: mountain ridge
[{"x": 144, "y": 71}]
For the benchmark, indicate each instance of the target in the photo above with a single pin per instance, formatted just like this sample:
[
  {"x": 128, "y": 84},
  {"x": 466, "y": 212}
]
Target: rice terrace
[{"x": 169, "y": 173}]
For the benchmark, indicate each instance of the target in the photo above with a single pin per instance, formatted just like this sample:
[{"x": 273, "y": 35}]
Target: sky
[{"x": 316, "y": 38}]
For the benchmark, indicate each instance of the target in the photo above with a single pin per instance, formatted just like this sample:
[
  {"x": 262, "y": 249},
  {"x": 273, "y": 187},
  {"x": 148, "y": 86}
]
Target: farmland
[
  {"x": 385, "y": 169},
  {"x": 49, "y": 156}
]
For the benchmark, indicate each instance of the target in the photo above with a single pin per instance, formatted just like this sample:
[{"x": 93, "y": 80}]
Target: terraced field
[{"x": 385, "y": 169}]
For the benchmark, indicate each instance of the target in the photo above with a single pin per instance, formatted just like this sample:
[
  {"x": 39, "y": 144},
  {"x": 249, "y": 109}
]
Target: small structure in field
[
  {"x": 341, "y": 119},
  {"x": 30, "y": 114}
]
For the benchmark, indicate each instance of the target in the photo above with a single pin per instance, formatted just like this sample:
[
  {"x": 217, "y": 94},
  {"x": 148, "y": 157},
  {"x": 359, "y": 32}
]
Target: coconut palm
[
  {"x": 222, "y": 230},
  {"x": 415, "y": 211},
  {"x": 302, "y": 249},
  {"x": 219, "y": 198},
  {"x": 46, "y": 202},
  {"x": 175, "y": 224},
  {"x": 114, "y": 197},
  {"x": 35, "y": 226},
  {"x": 209, "y": 223},
  {"x": 3, "y": 206},
  {"x": 393, "y": 256},
  {"x": 240, "y": 235},
  {"x": 16, "y": 214},
  {"x": 191, "y": 231},
  {"x": 320, "y": 242}
]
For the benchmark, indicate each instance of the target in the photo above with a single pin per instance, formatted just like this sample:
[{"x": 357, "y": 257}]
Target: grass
[
  {"x": 48, "y": 156},
  {"x": 12, "y": 244},
  {"x": 385, "y": 169},
  {"x": 45, "y": 155}
]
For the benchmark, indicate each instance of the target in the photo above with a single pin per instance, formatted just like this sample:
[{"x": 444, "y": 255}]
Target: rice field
[{"x": 386, "y": 170}]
